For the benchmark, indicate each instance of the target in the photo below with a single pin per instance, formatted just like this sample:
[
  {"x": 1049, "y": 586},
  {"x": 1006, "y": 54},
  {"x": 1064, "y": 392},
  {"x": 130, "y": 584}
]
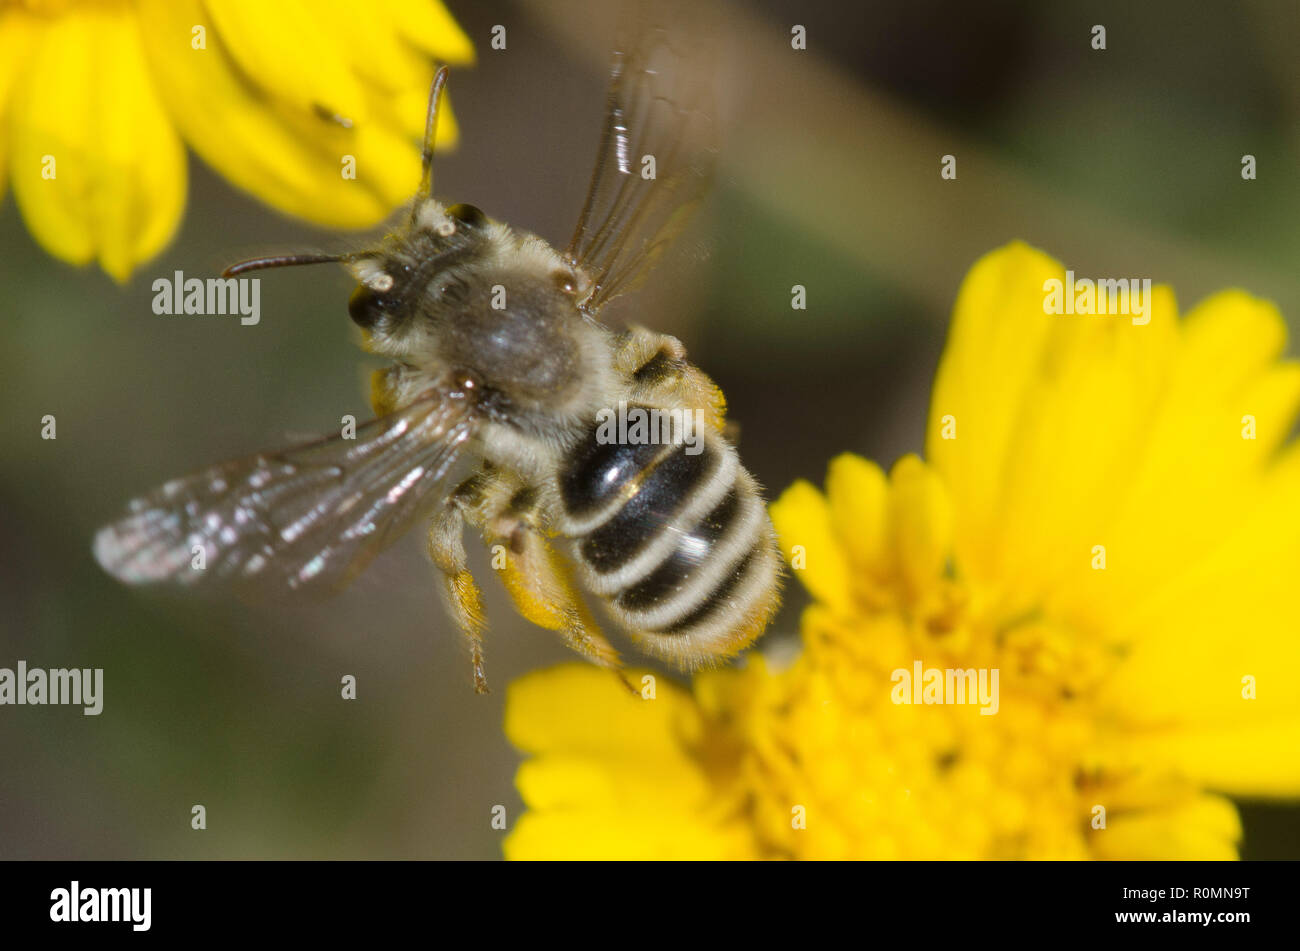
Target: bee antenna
[
  {"x": 283, "y": 260},
  {"x": 430, "y": 135}
]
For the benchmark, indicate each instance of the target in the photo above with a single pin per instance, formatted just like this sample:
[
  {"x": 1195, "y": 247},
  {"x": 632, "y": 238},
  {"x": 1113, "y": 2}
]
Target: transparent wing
[
  {"x": 312, "y": 516},
  {"x": 653, "y": 163}
]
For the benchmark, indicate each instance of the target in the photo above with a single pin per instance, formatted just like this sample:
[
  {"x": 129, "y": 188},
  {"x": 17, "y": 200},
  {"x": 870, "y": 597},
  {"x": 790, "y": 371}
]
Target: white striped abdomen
[{"x": 678, "y": 545}]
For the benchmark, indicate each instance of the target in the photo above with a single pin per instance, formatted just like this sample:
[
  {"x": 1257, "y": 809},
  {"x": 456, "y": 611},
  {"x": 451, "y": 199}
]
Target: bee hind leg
[
  {"x": 538, "y": 582},
  {"x": 656, "y": 366}
]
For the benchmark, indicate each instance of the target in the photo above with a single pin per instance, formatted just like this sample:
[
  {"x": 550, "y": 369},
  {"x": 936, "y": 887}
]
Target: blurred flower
[
  {"x": 1109, "y": 517},
  {"x": 97, "y": 97}
]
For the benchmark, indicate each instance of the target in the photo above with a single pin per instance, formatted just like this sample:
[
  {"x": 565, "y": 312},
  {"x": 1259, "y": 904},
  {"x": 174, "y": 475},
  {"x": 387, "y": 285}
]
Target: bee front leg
[{"x": 447, "y": 549}]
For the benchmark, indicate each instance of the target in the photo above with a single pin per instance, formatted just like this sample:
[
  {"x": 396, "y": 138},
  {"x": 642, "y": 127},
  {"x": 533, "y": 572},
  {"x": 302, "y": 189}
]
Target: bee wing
[
  {"x": 653, "y": 163},
  {"x": 311, "y": 516}
]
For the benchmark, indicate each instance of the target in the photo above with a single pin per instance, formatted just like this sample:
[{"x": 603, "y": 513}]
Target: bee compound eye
[
  {"x": 468, "y": 215},
  {"x": 365, "y": 307}
]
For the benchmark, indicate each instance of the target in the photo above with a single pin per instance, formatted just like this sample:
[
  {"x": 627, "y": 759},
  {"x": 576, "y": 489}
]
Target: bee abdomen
[{"x": 680, "y": 546}]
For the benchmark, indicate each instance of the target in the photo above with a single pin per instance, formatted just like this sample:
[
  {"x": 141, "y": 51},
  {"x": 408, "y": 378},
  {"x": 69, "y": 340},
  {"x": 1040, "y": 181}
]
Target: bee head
[{"x": 392, "y": 279}]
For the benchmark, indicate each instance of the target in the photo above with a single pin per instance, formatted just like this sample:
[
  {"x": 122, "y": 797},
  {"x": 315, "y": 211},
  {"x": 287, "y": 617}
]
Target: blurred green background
[{"x": 1123, "y": 162}]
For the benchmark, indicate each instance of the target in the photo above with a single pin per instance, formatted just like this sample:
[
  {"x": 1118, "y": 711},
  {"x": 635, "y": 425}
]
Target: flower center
[{"x": 931, "y": 725}]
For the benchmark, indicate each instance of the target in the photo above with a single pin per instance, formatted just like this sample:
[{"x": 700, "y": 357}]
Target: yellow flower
[
  {"x": 97, "y": 97},
  {"x": 1109, "y": 517}
]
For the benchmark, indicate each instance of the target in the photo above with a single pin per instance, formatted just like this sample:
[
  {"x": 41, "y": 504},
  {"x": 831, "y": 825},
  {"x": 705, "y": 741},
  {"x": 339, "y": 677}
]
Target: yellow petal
[
  {"x": 1243, "y": 758},
  {"x": 612, "y": 777},
  {"x": 563, "y": 781},
  {"x": 287, "y": 50},
  {"x": 1083, "y": 427},
  {"x": 1229, "y": 615},
  {"x": 86, "y": 103},
  {"x": 1195, "y": 459},
  {"x": 18, "y": 36},
  {"x": 856, "y": 489},
  {"x": 920, "y": 522},
  {"x": 1203, "y": 828},
  {"x": 406, "y": 112},
  {"x": 1267, "y": 404},
  {"x": 291, "y": 160},
  {"x": 374, "y": 45},
  {"x": 428, "y": 25},
  {"x": 994, "y": 345},
  {"x": 580, "y": 708},
  {"x": 805, "y": 525},
  {"x": 1227, "y": 339},
  {"x": 1047, "y": 413}
]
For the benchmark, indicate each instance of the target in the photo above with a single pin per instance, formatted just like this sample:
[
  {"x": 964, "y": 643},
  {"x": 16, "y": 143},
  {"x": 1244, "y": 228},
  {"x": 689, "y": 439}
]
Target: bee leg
[
  {"x": 538, "y": 582},
  {"x": 656, "y": 366},
  {"x": 447, "y": 549}
]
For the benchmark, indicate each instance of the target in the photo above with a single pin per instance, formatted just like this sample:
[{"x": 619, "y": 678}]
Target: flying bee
[{"x": 490, "y": 416}]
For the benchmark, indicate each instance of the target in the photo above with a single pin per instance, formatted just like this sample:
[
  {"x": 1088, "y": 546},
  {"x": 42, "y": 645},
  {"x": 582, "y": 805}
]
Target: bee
[{"x": 489, "y": 418}]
